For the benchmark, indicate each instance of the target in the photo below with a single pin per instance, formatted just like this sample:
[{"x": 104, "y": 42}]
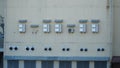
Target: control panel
[
  {"x": 59, "y": 38},
  {"x": 57, "y": 28}
]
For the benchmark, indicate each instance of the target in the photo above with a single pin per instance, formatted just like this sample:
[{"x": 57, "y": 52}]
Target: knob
[
  {"x": 81, "y": 49},
  {"x": 68, "y": 49},
  {"x": 50, "y": 49},
  {"x": 16, "y": 48},
  {"x": 63, "y": 49},
  {"x": 103, "y": 49},
  {"x": 11, "y": 48},
  {"x": 45, "y": 49},
  {"x": 86, "y": 49},
  {"x": 27, "y": 48},
  {"x": 32, "y": 48},
  {"x": 98, "y": 49}
]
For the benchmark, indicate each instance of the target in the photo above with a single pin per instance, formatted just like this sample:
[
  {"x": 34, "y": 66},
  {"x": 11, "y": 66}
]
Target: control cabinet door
[
  {"x": 83, "y": 64},
  {"x": 29, "y": 64},
  {"x": 100, "y": 64},
  {"x": 47, "y": 64},
  {"x": 65, "y": 64},
  {"x": 13, "y": 64}
]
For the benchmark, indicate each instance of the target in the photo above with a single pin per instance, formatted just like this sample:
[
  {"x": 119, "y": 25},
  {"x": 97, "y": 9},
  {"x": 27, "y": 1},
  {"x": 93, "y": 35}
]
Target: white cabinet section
[
  {"x": 83, "y": 28},
  {"x": 58, "y": 28},
  {"x": 46, "y": 28},
  {"x": 95, "y": 28},
  {"x": 22, "y": 28}
]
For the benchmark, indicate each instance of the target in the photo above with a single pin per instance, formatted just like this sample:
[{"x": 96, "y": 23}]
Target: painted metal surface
[
  {"x": 29, "y": 64},
  {"x": 47, "y": 64},
  {"x": 65, "y": 64},
  {"x": 13, "y": 64},
  {"x": 100, "y": 64},
  {"x": 83, "y": 64},
  {"x": 70, "y": 11},
  {"x": 56, "y": 58}
]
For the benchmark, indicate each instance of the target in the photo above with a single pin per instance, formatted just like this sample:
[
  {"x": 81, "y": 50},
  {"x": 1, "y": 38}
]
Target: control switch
[
  {"x": 22, "y": 28},
  {"x": 46, "y": 28},
  {"x": 83, "y": 28},
  {"x": 95, "y": 28},
  {"x": 58, "y": 28}
]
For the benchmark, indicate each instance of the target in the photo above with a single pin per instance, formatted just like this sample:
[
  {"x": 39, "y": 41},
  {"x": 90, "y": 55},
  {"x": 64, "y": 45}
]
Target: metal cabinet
[
  {"x": 13, "y": 64},
  {"x": 29, "y": 64},
  {"x": 47, "y": 64},
  {"x": 65, "y": 64},
  {"x": 100, "y": 64},
  {"x": 83, "y": 64}
]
